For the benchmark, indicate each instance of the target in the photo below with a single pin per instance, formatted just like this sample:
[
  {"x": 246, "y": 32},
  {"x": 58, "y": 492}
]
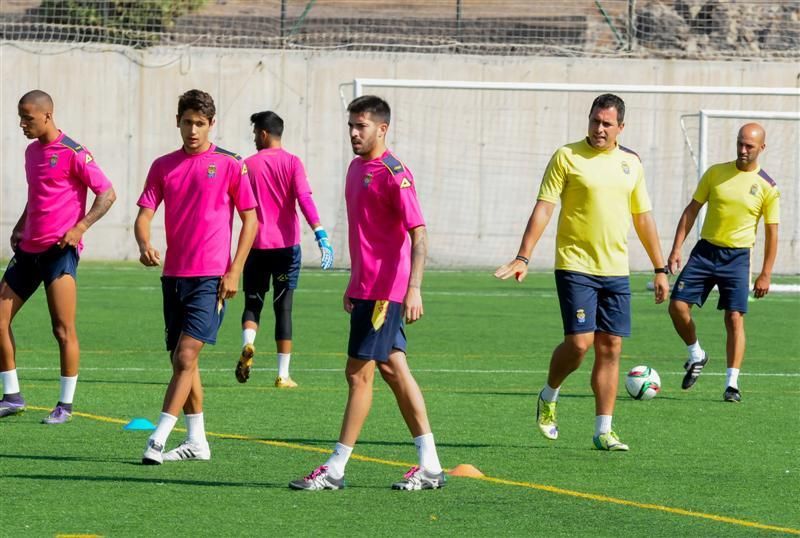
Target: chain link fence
[{"x": 696, "y": 29}]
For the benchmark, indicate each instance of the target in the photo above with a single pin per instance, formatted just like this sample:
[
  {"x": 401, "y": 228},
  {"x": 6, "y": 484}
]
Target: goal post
[{"x": 478, "y": 150}]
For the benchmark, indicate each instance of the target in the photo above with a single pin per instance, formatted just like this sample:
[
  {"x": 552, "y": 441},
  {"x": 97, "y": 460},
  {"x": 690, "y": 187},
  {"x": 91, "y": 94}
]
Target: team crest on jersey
[
  {"x": 405, "y": 183},
  {"x": 54, "y": 160},
  {"x": 367, "y": 180},
  {"x": 88, "y": 158},
  {"x": 212, "y": 171},
  {"x": 626, "y": 168},
  {"x": 244, "y": 169},
  {"x": 754, "y": 189},
  {"x": 580, "y": 315}
]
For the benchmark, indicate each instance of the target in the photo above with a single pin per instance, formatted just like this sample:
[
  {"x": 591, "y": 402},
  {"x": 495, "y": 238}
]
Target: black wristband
[
  {"x": 523, "y": 259},
  {"x": 664, "y": 270}
]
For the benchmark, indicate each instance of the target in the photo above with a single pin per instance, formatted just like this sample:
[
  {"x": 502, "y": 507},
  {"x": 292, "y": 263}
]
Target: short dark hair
[
  {"x": 609, "y": 100},
  {"x": 197, "y": 100},
  {"x": 268, "y": 121},
  {"x": 372, "y": 104},
  {"x": 38, "y": 97}
]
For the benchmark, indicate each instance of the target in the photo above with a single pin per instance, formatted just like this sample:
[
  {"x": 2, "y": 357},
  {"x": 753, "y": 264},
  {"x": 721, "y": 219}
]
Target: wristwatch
[{"x": 664, "y": 270}]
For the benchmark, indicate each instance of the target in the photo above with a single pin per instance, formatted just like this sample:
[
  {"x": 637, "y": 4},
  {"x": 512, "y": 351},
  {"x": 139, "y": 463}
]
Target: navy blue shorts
[
  {"x": 710, "y": 265},
  {"x": 191, "y": 308},
  {"x": 280, "y": 264},
  {"x": 26, "y": 271},
  {"x": 594, "y": 303},
  {"x": 376, "y": 329}
]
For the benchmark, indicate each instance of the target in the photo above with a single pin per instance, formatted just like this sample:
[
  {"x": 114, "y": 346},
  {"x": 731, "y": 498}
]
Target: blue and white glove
[{"x": 325, "y": 248}]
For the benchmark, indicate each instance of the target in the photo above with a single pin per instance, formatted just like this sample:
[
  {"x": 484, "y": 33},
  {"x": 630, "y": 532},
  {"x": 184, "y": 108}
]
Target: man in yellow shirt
[
  {"x": 738, "y": 194},
  {"x": 601, "y": 186}
]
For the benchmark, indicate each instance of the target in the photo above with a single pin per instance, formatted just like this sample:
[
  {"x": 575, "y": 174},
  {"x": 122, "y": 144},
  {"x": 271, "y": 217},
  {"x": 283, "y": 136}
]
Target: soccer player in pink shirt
[
  {"x": 279, "y": 182},
  {"x": 47, "y": 242},
  {"x": 200, "y": 185},
  {"x": 387, "y": 254}
]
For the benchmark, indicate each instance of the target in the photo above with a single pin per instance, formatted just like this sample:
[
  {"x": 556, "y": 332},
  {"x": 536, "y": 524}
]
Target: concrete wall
[{"x": 478, "y": 156}]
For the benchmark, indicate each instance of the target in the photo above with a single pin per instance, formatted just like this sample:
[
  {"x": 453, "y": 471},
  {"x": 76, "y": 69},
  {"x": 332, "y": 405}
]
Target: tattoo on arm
[{"x": 102, "y": 203}]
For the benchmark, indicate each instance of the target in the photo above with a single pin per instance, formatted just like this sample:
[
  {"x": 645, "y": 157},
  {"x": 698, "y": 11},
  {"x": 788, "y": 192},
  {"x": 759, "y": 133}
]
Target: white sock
[
  {"x": 426, "y": 450},
  {"x": 549, "y": 394},
  {"x": 283, "y": 364},
  {"x": 67, "y": 389},
  {"x": 602, "y": 424},
  {"x": 732, "y": 378},
  {"x": 338, "y": 460},
  {"x": 196, "y": 428},
  {"x": 696, "y": 352},
  {"x": 165, "y": 424},
  {"x": 248, "y": 337},
  {"x": 10, "y": 381}
]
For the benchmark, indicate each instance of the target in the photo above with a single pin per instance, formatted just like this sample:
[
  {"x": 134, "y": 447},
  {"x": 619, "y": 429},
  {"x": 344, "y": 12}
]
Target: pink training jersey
[
  {"x": 59, "y": 174},
  {"x": 382, "y": 207},
  {"x": 279, "y": 181},
  {"x": 199, "y": 193}
]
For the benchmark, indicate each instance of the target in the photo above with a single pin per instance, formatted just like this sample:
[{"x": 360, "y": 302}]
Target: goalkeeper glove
[{"x": 325, "y": 248}]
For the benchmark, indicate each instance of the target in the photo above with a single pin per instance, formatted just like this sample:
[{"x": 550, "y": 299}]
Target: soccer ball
[{"x": 643, "y": 383}]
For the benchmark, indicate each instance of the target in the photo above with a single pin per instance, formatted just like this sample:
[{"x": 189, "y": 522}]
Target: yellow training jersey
[
  {"x": 736, "y": 201},
  {"x": 599, "y": 191}
]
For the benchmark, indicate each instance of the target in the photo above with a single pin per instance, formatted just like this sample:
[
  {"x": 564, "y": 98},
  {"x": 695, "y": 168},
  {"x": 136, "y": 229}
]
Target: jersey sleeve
[
  {"x": 403, "y": 195},
  {"x": 153, "y": 193},
  {"x": 302, "y": 191},
  {"x": 554, "y": 179},
  {"x": 701, "y": 192},
  {"x": 640, "y": 200},
  {"x": 772, "y": 208},
  {"x": 85, "y": 168},
  {"x": 240, "y": 189}
]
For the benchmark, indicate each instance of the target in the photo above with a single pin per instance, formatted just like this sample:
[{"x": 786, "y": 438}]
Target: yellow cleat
[
  {"x": 285, "y": 383},
  {"x": 245, "y": 363}
]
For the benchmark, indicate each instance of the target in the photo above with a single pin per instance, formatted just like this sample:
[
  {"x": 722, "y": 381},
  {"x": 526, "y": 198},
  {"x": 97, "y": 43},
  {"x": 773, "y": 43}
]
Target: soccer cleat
[
  {"x": 153, "y": 453},
  {"x": 245, "y": 363},
  {"x": 609, "y": 441},
  {"x": 285, "y": 383},
  {"x": 189, "y": 450},
  {"x": 693, "y": 370},
  {"x": 546, "y": 418},
  {"x": 59, "y": 415},
  {"x": 418, "y": 478},
  {"x": 318, "y": 480},
  {"x": 732, "y": 395},
  {"x": 8, "y": 409}
]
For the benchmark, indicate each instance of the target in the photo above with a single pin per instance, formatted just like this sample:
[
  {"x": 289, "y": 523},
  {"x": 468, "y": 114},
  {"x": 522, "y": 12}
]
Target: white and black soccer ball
[{"x": 643, "y": 383}]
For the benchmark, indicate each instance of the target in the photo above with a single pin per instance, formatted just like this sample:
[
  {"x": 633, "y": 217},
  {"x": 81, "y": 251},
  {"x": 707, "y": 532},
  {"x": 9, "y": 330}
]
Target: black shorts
[
  {"x": 280, "y": 264},
  {"x": 26, "y": 271},
  {"x": 376, "y": 328}
]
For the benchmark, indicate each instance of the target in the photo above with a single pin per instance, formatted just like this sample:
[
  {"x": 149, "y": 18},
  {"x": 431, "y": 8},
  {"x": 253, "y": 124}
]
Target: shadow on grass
[{"x": 155, "y": 480}]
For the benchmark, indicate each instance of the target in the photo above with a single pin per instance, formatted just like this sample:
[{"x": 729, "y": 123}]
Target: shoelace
[
  {"x": 316, "y": 472},
  {"x": 411, "y": 472}
]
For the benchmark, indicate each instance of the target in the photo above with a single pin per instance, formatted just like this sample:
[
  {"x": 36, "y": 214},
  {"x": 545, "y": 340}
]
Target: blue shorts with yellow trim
[
  {"x": 26, "y": 271},
  {"x": 592, "y": 303},
  {"x": 191, "y": 307},
  {"x": 709, "y": 266},
  {"x": 376, "y": 329}
]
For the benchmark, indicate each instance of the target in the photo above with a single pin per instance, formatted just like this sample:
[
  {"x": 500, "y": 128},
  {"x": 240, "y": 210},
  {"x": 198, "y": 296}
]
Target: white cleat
[
  {"x": 189, "y": 450},
  {"x": 153, "y": 453}
]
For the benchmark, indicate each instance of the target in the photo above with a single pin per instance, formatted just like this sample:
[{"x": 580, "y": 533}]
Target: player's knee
[
  {"x": 678, "y": 310},
  {"x": 64, "y": 334},
  {"x": 734, "y": 320},
  {"x": 184, "y": 360},
  {"x": 359, "y": 379}
]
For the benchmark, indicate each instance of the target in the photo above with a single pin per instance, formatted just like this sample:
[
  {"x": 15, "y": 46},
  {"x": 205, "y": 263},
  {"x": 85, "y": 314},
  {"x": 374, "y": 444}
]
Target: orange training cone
[{"x": 465, "y": 469}]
